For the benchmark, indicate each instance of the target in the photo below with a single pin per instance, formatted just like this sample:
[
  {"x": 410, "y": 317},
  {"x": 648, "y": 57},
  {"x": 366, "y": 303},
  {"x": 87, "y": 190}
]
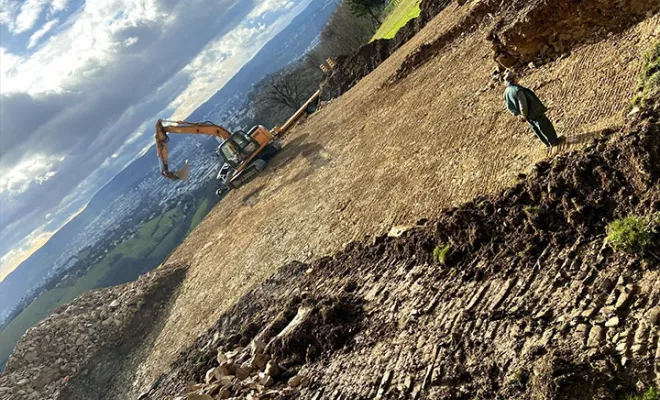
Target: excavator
[{"x": 246, "y": 153}]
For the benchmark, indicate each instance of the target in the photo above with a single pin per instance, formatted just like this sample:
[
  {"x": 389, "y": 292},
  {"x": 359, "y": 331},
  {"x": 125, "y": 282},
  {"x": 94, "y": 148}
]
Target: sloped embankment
[
  {"x": 516, "y": 295},
  {"x": 77, "y": 351}
]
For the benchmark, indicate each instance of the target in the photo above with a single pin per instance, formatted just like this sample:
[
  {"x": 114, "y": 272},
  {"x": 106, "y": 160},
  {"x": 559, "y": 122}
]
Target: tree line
[{"x": 351, "y": 25}]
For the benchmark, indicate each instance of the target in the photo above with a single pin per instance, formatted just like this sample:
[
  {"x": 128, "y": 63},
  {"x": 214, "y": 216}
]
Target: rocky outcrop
[
  {"x": 542, "y": 30},
  {"x": 521, "y": 32},
  {"x": 63, "y": 348}
]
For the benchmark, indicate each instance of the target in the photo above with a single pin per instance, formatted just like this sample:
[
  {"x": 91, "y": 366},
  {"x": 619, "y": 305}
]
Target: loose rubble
[
  {"x": 531, "y": 302},
  {"x": 64, "y": 347}
]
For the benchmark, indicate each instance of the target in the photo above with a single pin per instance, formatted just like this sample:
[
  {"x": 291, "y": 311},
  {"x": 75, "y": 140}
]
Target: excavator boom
[{"x": 201, "y": 128}]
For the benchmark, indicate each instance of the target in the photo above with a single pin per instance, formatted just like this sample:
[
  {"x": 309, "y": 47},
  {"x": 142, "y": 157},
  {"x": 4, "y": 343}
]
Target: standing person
[{"x": 524, "y": 104}]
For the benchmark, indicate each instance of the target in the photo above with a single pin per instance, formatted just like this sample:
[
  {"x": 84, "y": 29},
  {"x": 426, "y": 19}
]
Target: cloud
[
  {"x": 8, "y": 10},
  {"x": 17, "y": 255},
  {"x": 36, "y": 36},
  {"x": 31, "y": 243},
  {"x": 82, "y": 105},
  {"x": 58, "y": 5},
  {"x": 36, "y": 168},
  {"x": 29, "y": 14},
  {"x": 267, "y": 6}
]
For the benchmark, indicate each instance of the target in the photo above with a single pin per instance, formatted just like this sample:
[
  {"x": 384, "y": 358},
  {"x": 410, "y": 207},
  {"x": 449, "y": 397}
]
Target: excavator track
[{"x": 248, "y": 174}]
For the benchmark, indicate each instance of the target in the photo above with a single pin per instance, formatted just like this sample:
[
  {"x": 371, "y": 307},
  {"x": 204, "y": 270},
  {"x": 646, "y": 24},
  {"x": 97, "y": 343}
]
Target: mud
[
  {"x": 320, "y": 326},
  {"x": 530, "y": 303}
]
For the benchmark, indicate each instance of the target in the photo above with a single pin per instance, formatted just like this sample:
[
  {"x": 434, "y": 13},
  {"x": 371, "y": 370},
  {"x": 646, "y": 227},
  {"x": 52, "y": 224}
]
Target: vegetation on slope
[
  {"x": 399, "y": 13},
  {"x": 649, "y": 81},
  {"x": 145, "y": 251},
  {"x": 633, "y": 234},
  {"x": 651, "y": 394}
]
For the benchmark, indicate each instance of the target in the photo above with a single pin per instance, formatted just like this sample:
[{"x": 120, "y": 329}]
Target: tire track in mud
[{"x": 490, "y": 297}]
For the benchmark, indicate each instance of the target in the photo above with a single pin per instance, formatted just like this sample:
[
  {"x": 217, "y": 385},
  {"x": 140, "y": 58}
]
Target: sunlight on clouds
[
  {"x": 131, "y": 41},
  {"x": 81, "y": 51},
  {"x": 8, "y": 64},
  {"x": 34, "y": 169},
  {"x": 17, "y": 255},
  {"x": 8, "y": 10},
  {"x": 222, "y": 58},
  {"x": 36, "y": 36},
  {"x": 58, "y": 5},
  {"x": 31, "y": 243},
  {"x": 29, "y": 15},
  {"x": 270, "y": 5}
]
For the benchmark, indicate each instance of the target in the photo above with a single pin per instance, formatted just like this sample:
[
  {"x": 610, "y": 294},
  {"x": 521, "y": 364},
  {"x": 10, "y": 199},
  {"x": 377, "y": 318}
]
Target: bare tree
[
  {"x": 283, "y": 89},
  {"x": 275, "y": 97},
  {"x": 370, "y": 8}
]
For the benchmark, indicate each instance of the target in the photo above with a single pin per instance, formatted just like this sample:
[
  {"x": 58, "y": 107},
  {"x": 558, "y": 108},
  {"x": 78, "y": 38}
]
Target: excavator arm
[{"x": 194, "y": 128}]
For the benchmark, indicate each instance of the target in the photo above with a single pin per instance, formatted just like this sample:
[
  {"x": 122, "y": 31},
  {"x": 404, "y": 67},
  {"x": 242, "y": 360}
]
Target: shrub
[
  {"x": 441, "y": 252},
  {"x": 651, "y": 394},
  {"x": 632, "y": 234},
  {"x": 649, "y": 80}
]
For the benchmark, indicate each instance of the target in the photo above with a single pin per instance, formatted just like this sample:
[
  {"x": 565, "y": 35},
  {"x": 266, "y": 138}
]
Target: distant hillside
[
  {"x": 289, "y": 45},
  {"x": 30, "y": 272}
]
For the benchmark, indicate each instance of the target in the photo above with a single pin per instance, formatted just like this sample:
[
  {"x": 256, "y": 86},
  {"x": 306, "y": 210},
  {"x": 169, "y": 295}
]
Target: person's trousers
[{"x": 544, "y": 130}]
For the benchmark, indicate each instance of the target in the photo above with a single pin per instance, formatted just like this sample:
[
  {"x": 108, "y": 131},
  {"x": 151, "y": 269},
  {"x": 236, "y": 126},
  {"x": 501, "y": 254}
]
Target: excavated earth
[{"x": 530, "y": 301}]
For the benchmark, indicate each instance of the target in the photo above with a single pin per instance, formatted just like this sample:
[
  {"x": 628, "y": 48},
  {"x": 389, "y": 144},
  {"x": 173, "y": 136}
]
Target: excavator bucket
[{"x": 183, "y": 173}]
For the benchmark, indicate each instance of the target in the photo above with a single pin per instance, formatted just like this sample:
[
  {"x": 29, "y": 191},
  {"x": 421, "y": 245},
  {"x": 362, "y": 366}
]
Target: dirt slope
[
  {"x": 529, "y": 303},
  {"x": 385, "y": 154},
  {"x": 398, "y": 148}
]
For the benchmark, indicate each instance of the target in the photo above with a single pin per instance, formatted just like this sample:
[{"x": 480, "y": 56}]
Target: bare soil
[
  {"x": 384, "y": 155},
  {"x": 531, "y": 302},
  {"x": 524, "y": 305}
]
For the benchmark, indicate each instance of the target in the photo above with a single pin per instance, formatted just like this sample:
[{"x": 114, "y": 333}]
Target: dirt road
[{"x": 385, "y": 154}]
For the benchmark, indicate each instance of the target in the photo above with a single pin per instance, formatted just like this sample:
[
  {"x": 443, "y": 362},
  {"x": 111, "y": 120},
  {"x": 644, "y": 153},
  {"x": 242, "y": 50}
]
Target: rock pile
[
  {"x": 247, "y": 373},
  {"x": 62, "y": 346},
  {"x": 266, "y": 362}
]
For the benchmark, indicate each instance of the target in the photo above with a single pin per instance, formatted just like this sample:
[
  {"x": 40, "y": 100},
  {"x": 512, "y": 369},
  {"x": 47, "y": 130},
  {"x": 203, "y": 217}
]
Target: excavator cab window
[
  {"x": 238, "y": 148},
  {"x": 245, "y": 142}
]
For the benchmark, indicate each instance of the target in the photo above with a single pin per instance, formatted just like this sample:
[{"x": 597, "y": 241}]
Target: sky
[{"x": 83, "y": 82}]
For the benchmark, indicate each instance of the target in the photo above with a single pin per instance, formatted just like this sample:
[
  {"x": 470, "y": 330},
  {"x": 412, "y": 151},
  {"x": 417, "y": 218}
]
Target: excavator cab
[
  {"x": 247, "y": 154},
  {"x": 238, "y": 149}
]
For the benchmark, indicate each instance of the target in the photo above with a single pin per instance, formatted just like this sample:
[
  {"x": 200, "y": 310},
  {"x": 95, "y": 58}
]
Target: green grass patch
[
  {"x": 152, "y": 243},
  {"x": 201, "y": 212},
  {"x": 651, "y": 394},
  {"x": 441, "y": 252},
  {"x": 403, "y": 12},
  {"x": 633, "y": 234},
  {"x": 649, "y": 80},
  {"x": 152, "y": 232}
]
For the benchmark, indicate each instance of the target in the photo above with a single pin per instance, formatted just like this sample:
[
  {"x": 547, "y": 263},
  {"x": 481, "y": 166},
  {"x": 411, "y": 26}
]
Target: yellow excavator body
[{"x": 244, "y": 152}]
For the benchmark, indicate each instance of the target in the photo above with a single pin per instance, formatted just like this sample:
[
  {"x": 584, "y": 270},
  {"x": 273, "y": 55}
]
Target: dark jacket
[{"x": 522, "y": 101}]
